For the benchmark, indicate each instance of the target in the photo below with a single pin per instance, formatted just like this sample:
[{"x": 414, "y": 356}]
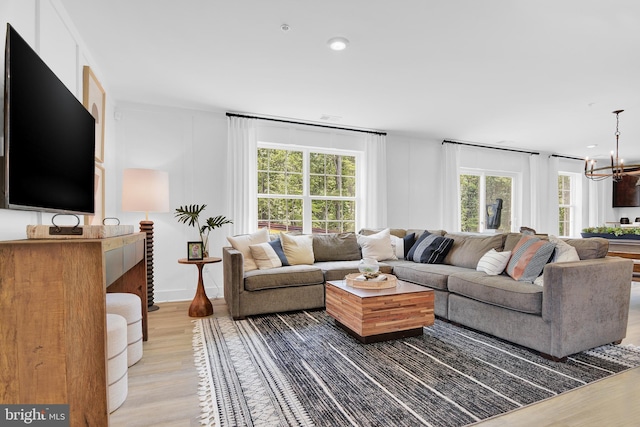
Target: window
[
  {"x": 307, "y": 190},
  {"x": 478, "y": 189},
  {"x": 569, "y": 211}
]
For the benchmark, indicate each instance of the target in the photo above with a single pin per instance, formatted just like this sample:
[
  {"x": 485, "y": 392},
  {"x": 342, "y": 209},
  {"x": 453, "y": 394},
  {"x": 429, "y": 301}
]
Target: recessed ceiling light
[
  {"x": 338, "y": 43},
  {"x": 592, "y": 146}
]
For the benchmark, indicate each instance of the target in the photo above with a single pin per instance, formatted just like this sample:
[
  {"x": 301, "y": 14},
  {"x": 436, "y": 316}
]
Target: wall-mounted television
[
  {"x": 49, "y": 138},
  {"x": 626, "y": 192}
]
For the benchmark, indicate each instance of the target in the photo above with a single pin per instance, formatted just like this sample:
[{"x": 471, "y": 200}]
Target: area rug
[{"x": 299, "y": 369}]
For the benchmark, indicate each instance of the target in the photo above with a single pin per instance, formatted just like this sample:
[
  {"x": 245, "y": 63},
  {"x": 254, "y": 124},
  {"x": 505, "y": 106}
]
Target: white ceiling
[{"x": 540, "y": 75}]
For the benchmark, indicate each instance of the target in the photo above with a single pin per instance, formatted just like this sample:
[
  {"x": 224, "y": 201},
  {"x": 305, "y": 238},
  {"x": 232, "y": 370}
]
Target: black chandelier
[{"x": 617, "y": 169}]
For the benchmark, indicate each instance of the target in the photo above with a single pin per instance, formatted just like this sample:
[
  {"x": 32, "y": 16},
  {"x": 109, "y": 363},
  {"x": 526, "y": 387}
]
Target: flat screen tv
[
  {"x": 49, "y": 138},
  {"x": 626, "y": 192}
]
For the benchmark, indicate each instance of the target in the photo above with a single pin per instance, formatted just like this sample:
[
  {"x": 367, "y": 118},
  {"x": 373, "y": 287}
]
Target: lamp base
[{"x": 147, "y": 227}]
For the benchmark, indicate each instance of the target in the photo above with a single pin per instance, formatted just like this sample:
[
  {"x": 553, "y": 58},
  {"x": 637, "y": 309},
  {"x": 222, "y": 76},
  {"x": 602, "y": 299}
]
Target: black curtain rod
[
  {"x": 305, "y": 124},
  {"x": 445, "y": 141},
  {"x": 566, "y": 157}
]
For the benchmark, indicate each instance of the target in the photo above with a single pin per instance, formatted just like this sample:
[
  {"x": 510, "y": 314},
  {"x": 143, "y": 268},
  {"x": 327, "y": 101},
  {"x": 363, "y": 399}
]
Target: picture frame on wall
[
  {"x": 94, "y": 100},
  {"x": 194, "y": 251},
  {"x": 98, "y": 216}
]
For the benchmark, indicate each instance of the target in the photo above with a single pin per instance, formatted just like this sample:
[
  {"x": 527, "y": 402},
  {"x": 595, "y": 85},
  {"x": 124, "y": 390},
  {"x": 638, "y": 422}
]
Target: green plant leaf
[
  {"x": 189, "y": 214},
  {"x": 217, "y": 222}
]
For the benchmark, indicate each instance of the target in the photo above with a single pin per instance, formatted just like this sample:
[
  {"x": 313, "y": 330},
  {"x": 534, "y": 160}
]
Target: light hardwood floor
[{"x": 163, "y": 386}]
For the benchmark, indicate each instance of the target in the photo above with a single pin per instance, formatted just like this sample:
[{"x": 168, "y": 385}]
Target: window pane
[
  {"x": 294, "y": 184},
  {"x": 280, "y": 214},
  {"x": 316, "y": 163},
  {"x": 348, "y": 187},
  {"x": 470, "y": 202},
  {"x": 499, "y": 187},
  {"x": 348, "y": 166}
]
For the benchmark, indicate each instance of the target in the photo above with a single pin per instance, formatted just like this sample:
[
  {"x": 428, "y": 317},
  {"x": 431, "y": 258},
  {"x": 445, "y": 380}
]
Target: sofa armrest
[
  {"x": 233, "y": 273},
  {"x": 586, "y": 302}
]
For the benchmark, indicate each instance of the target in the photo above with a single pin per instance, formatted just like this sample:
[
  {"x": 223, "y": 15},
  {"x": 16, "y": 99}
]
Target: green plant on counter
[
  {"x": 190, "y": 215},
  {"x": 616, "y": 231}
]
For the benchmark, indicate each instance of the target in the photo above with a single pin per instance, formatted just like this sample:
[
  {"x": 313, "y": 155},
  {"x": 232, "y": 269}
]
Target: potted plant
[
  {"x": 612, "y": 232},
  {"x": 190, "y": 215}
]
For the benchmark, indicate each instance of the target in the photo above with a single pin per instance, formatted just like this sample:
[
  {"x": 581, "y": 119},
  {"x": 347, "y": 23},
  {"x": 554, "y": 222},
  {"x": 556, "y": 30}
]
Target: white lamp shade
[{"x": 145, "y": 190}]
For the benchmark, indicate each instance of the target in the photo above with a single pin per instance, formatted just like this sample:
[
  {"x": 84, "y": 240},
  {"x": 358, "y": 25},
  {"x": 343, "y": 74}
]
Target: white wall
[{"x": 192, "y": 147}]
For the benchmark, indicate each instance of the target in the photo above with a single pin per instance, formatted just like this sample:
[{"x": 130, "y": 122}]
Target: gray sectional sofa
[{"x": 580, "y": 304}]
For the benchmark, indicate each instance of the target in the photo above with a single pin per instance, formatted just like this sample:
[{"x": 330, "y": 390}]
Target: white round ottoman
[
  {"x": 117, "y": 369},
  {"x": 129, "y": 306}
]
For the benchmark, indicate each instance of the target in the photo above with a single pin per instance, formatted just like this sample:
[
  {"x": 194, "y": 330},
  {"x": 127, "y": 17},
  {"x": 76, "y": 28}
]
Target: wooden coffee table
[{"x": 373, "y": 315}]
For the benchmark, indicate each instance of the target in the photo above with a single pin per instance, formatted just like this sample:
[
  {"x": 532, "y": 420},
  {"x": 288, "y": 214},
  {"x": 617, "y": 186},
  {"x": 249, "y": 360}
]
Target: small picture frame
[{"x": 194, "y": 251}]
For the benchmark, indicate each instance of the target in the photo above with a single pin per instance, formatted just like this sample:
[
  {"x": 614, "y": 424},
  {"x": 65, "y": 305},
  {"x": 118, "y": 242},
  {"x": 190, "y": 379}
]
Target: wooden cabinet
[
  {"x": 627, "y": 249},
  {"x": 53, "y": 319}
]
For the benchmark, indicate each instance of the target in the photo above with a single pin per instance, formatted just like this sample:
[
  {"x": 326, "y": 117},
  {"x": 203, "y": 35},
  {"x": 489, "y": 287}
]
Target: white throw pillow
[
  {"x": 377, "y": 245},
  {"x": 494, "y": 262},
  {"x": 564, "y": 251},
  {"x": 241, "y": 243},
  {"x": 265, "y": 256},
  {"x": 398, "y": 246},
  {"x": 298, "y": 249}
]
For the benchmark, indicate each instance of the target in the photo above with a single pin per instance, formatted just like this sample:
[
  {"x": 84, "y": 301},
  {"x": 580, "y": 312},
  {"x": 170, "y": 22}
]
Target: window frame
[
  {"x": 483, "y": 173},
  {"x": 306, "y": 197},
  {"x": 575, "y": 203}
]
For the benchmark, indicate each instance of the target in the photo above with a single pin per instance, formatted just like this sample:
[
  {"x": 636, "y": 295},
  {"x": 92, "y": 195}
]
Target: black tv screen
[{"x": 49, "y": 142}]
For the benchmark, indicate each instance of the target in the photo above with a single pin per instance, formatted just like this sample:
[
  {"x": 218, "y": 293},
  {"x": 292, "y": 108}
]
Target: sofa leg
[
  {"x": 239, "y": 317},
  {"x": 617, "y": 342},
  {"x": 553, "y": 358}
]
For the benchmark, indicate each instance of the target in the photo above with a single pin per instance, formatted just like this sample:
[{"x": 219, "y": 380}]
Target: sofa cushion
[
  {"x": 337, "y": 270},
  {"x": 590, "y": 248},
  {"x": 242, "y": 242},
  {"x": 294, "y": 275},
  {"x": 431, "y": 275},
  {"x": 529, "y": 257},
  {"x": 377, "y": 246},
  {"x": 564, "y": 252},
  {"x": 402, "y": 245},
  {"x": 265, "y": 256},
  {"x": 499, "y": 290},
  {"x": 335, "y": 247},
  {"x": 494, "y": 262},
  {"x": 298, "y": 249},
  {"x": 398, "y": 232},
  {"x": 277, "y": 246},
  {"x": 467, "y": 249},
  {"x": 430, "y": 249}
]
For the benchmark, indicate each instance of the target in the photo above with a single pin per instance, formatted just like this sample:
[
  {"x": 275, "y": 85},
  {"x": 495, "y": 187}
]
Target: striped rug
[{"x": 299, "y": 369}]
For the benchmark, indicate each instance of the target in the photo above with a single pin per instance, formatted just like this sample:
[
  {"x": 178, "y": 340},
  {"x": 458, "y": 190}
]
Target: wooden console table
[
  {"x": 627, "y": 249},
  {"x": 53, "y": 319}
]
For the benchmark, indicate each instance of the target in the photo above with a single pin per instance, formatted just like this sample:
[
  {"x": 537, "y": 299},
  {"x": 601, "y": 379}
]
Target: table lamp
[{"x": 146, "y": 190}]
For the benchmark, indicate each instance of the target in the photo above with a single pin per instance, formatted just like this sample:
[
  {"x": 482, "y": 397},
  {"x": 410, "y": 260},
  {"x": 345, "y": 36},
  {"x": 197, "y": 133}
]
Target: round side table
[{"x": 201, "y": 305}]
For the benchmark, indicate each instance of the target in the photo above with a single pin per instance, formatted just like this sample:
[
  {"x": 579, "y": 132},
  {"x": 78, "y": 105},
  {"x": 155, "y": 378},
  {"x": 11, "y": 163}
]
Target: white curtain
[
  {"x": 596, "y": 207},
  {"x": 552, "y": 204},
  {"x": 534, "y": 170},
  {"x": 373, "y": 213},
  {"x": 451, "y": 187},
  {"x": 242, "y": 177}
]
